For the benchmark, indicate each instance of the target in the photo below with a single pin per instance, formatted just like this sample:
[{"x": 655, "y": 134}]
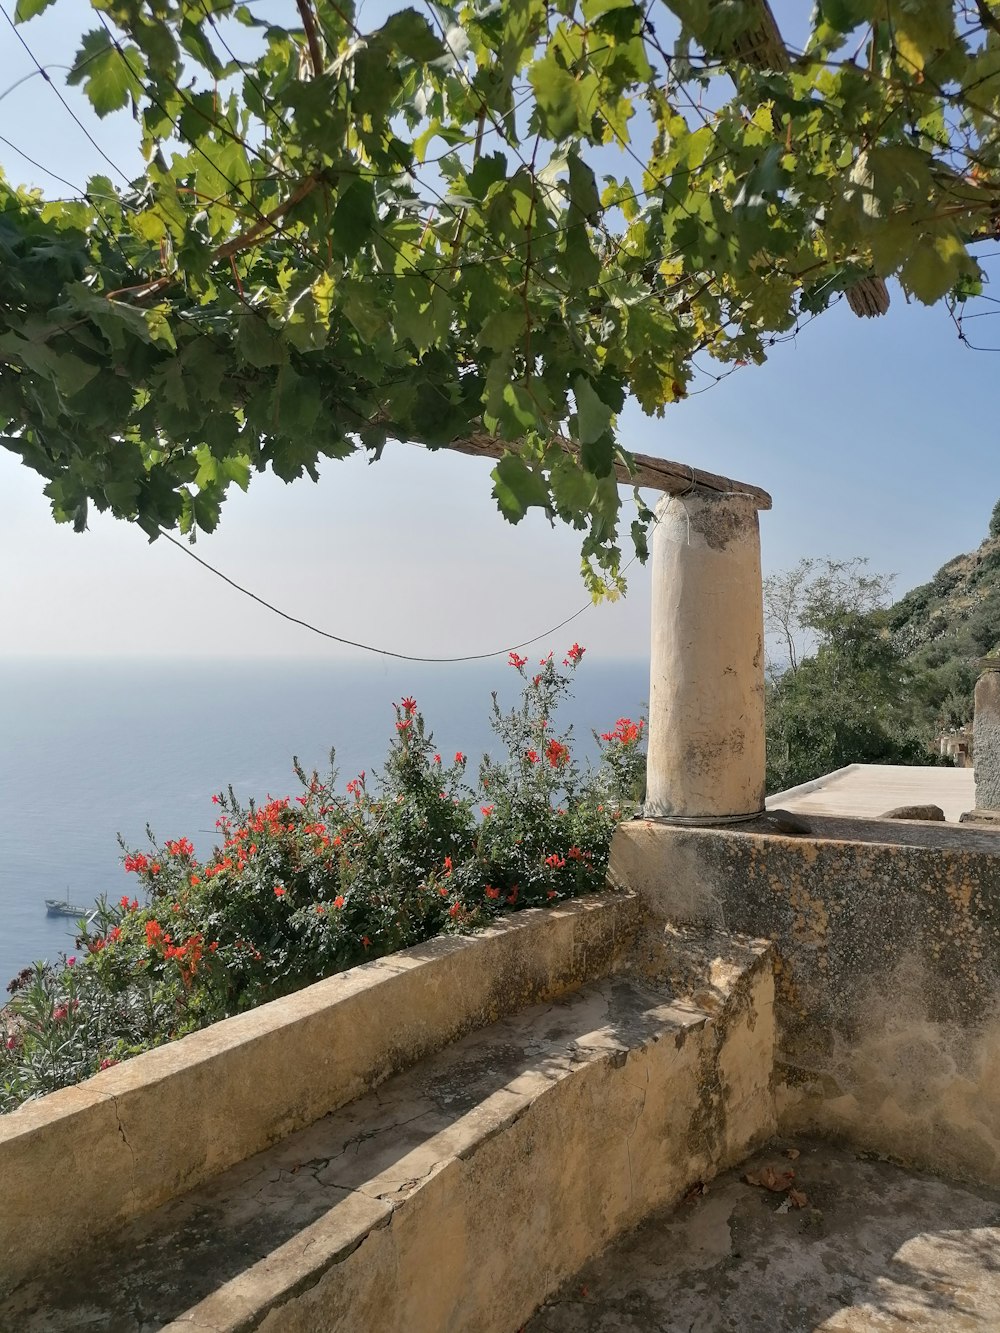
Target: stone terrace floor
[
  {"x": 875, "y": 1248},
  {"x": 866, "y": 791}
]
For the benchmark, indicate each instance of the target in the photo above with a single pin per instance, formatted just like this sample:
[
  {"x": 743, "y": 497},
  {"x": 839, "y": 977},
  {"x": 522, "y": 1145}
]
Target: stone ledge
[
  {"x": 886, "y": 943},
  {"x": 459, "y": 1195},
  {"x": 80, "y": 1162}
]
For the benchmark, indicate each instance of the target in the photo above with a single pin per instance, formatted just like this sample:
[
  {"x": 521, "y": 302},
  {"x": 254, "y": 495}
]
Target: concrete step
[{"x": 462, "y": 1192}]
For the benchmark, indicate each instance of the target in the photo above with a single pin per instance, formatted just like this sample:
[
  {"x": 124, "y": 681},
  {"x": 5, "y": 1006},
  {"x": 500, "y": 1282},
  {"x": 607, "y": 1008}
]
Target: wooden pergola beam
[{"x": 657, "y": 474}]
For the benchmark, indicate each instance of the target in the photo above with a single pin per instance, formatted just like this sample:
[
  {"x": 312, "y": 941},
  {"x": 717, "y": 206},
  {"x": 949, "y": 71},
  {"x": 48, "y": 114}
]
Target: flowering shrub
[{"x": 297, "y": 889}]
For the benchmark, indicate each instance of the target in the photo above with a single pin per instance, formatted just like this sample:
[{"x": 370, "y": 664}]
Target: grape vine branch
[{"x": 484, "y": 222}]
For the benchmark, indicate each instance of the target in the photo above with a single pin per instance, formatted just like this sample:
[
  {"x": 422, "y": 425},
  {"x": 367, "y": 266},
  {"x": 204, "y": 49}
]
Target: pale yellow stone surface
[
  {"x": 588, "y": 1152},
  {"x": 83, "y": 1160},
  {"x": 868, "y": 790},
  {"x": 459, "y": 1195},
  {"x": 907, "y": 1084},
  {"x": 872, "y": 1249},
  {"x": 887, "y": 970},
  {"x": 706, "y": 692}
]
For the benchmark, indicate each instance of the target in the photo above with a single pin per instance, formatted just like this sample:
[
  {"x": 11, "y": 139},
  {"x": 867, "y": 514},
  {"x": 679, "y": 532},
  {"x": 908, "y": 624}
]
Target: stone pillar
[
  {"x": 706, "y": 694},
  {"x": 986, "y": 740}
]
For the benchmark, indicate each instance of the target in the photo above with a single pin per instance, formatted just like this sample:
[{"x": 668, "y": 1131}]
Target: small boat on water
[{"x": 62, "y": 907}]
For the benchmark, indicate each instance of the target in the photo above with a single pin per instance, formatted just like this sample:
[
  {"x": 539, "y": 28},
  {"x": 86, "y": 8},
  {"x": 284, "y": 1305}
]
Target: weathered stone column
[
  {"x": 706, "y": 694},
  {"x": 986, "y": 740}
]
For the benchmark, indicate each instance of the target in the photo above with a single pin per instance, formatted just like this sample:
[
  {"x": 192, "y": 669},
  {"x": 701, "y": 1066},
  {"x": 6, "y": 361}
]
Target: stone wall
[
  {"x": 82, "y": 1161},
  {"x": 887, "y": 970},
  {"x": 461, "y": 1193}
]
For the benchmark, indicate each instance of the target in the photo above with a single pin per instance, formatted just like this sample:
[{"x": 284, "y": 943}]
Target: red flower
[
  {"x": 556, "y": 753},
  {"x": 437, "y": 759},
  {"x": 402, "y": 726},
  {"x": 459, "y": 757},
  {"x": 487, "y": 810},
  {"x": 555, "y": 861},
  {"x": 59, "y": 1014},
  {"x": 626, "y": 731},
  {"x": 575, "y": 653},
  {"x": 447, "y": 865},
  {"x": 215, "y": 800},
  {"x": 492, "y": 893},
  {"x": 532, "y": 756},
  {"x": 409, "y": 705},
  {"x": 107, "y": 1063},
  {"x": 339, "y": 900},
  {"x": 454, "y": 910},
  {"x": 279, "y": 892},
  {"x": 114, "y": 934},
  {"x": 516, "y": 662},
  {"x": 574, "y": 853},
  {"x": 136, "y": 863}
]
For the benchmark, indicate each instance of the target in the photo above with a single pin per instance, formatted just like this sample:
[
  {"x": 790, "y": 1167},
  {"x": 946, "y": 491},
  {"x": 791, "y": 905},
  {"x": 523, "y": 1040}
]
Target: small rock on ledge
[{"x": 914, "y": 812}]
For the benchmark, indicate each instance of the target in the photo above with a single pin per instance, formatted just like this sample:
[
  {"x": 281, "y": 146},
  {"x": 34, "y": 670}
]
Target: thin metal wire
[{"x": 371, "y": 648}]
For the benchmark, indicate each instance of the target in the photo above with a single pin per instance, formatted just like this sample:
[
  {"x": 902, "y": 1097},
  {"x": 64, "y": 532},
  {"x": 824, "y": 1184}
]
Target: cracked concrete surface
[
  {"x": 877, "y": 1249},
  {"x": 124, "y": 1138},
  {"x": 190, "y": 1109},
  {"x": 555, "y": 1128}
]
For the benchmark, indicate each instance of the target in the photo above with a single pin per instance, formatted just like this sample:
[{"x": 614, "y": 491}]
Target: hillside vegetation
[
  {"x": 855, "y": 679},
  {"x": 942, "y": 627}
]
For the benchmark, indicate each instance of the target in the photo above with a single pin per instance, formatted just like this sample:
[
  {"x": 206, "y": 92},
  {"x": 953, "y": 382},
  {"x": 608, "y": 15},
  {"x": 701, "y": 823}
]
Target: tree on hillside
[
  {"x": 479, "y": 226},
  {"x": 851, "y": 700},
  {"x": 802, "y": 604}
]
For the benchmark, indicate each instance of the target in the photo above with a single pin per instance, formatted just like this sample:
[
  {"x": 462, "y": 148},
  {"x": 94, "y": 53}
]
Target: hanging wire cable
[
  {"x": 38, "y": 167},
  {"x": 371, "y": 648},
  {"x": 40, "y": 68}
]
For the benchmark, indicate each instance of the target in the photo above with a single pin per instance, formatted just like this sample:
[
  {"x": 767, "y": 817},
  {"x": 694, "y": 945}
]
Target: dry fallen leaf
[
  {"x": 696, "y": 1191},
  {"x": 797, "y": 1199},
  {"x": 792, "y": 1153},
  {"x": 769, "y": 1179}
]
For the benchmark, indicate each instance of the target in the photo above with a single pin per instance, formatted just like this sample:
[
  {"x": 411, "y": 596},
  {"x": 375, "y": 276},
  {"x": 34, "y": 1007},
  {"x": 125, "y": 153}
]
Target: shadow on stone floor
[{"x": 875, "y": 1248}]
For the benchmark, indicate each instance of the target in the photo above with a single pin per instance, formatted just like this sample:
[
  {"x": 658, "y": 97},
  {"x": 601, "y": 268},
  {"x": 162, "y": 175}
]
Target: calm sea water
[{"x": 89, "y": 749}]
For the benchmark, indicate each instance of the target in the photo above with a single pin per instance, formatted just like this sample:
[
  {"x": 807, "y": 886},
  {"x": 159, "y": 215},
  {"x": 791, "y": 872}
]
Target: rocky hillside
[{"x": 943, "y": 626}]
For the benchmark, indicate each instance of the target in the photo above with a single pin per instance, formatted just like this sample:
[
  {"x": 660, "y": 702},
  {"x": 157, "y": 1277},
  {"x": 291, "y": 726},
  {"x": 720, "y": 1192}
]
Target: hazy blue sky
[{"x": 874, "y": 437}]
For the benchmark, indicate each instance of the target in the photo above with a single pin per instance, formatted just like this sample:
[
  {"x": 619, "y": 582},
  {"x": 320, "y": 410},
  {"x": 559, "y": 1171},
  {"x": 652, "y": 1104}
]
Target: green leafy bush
[{"x": 298, "y": 889}]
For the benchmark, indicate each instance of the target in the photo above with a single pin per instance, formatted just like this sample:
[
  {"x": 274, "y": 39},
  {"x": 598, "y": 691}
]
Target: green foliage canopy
[
  {"x": 855, "y": 698},
  {"x": 486, "y": 218}
]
